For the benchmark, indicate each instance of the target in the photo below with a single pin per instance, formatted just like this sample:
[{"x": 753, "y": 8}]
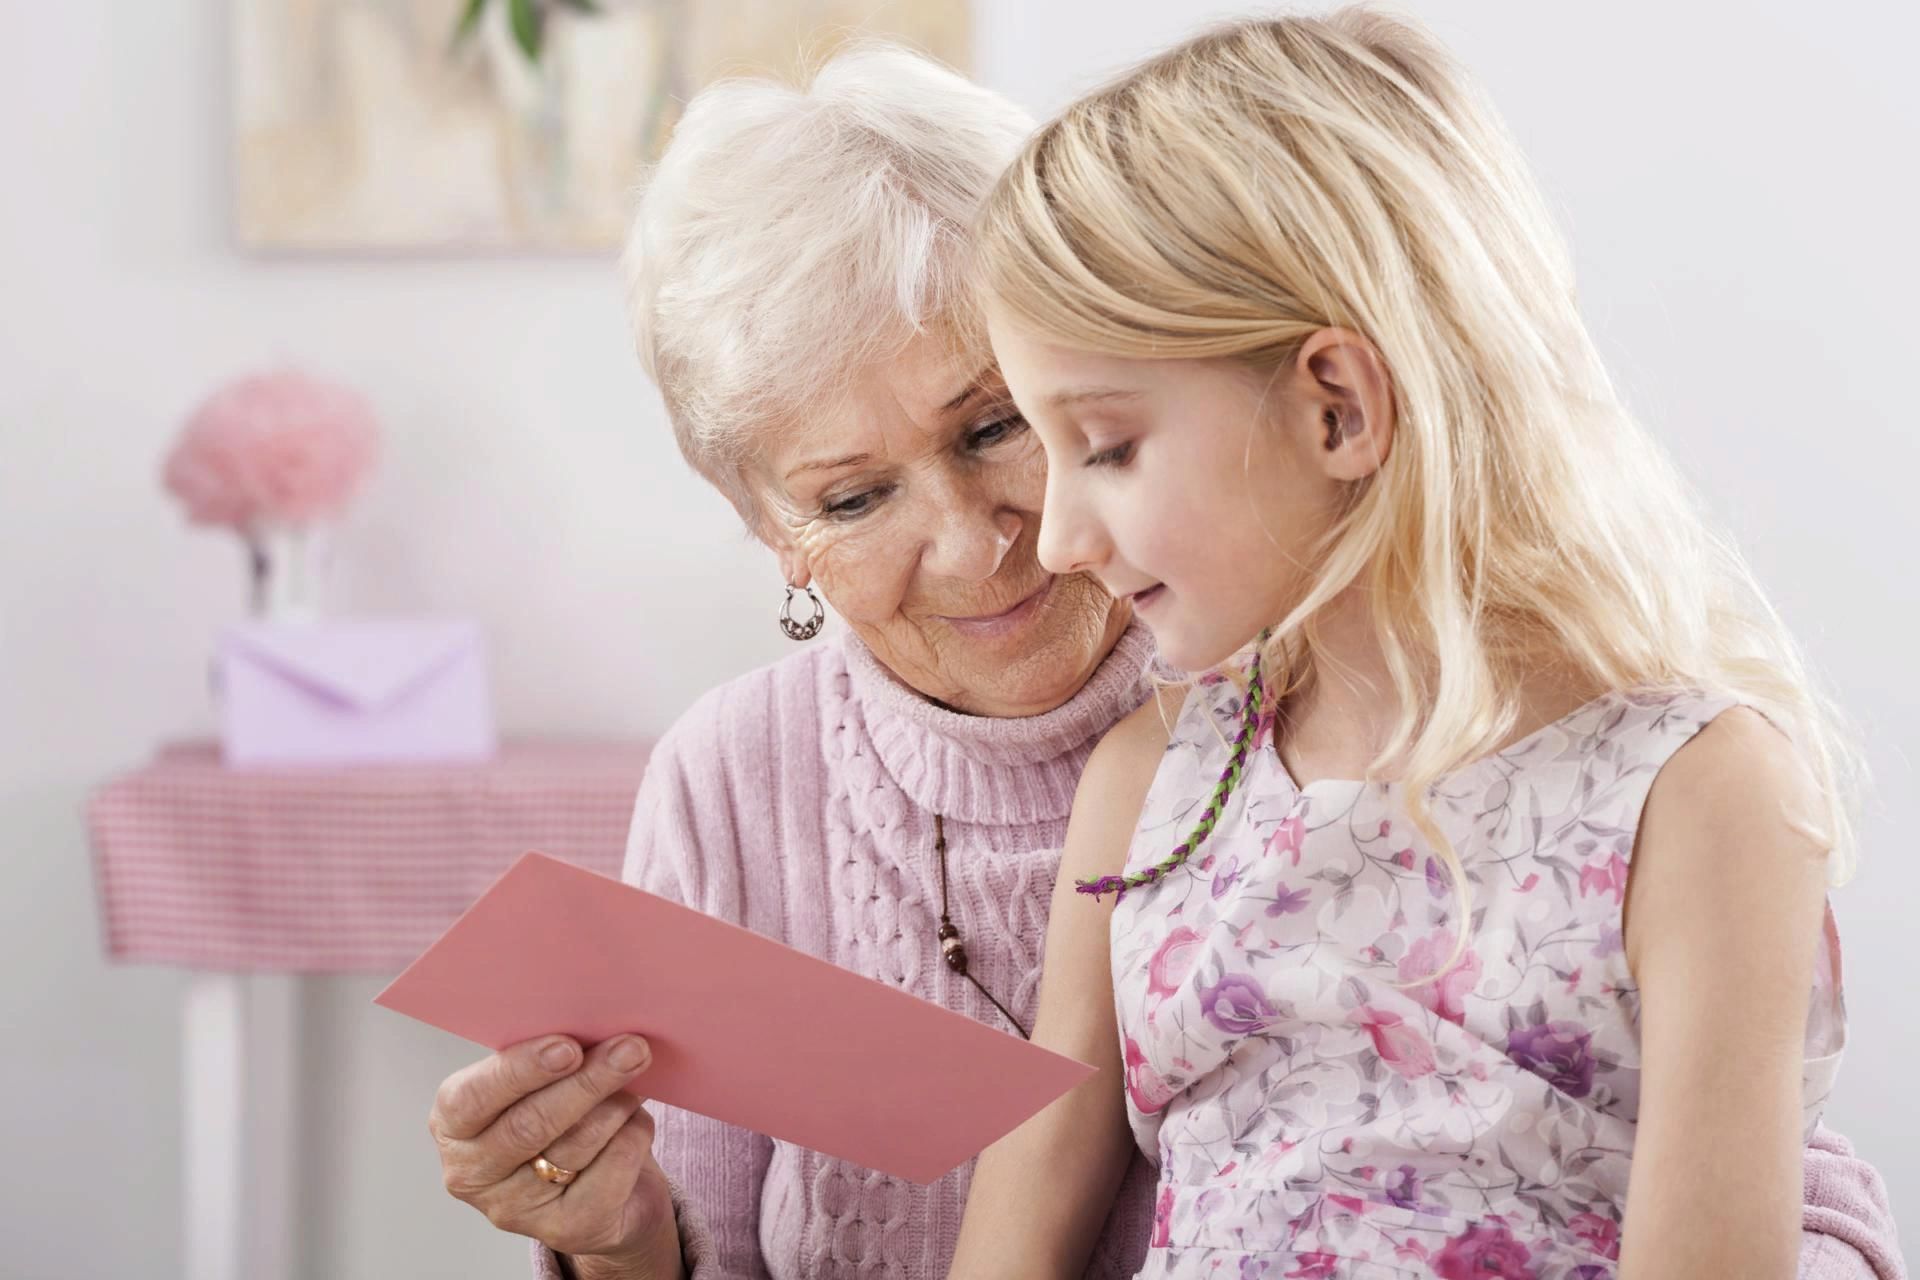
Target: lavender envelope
[
  {"x": 743, "y": 1029},
  {"x": 354, "y": 692}
]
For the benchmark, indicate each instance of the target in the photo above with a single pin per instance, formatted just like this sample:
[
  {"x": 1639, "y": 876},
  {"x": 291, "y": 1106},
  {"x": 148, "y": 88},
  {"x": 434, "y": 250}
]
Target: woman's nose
[{"x": 970, "y": 540}]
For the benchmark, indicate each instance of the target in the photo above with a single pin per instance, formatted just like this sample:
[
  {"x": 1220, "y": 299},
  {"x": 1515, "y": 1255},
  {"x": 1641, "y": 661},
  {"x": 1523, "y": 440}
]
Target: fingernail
[
  {"x": 627, "y": 1056},
  {"x": 557, "y": 1056}
]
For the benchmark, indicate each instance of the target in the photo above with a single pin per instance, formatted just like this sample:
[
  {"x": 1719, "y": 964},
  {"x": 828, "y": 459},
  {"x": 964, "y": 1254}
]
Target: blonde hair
[
  {"x": 793, "y": 234},
  {"x": 1271, "y": 179}
]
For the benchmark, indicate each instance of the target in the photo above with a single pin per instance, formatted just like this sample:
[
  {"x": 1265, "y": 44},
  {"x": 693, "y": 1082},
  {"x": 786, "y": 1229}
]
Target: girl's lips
[
  {"x": 1145, "y": 599},
  {"x": 993, "y": 626}
]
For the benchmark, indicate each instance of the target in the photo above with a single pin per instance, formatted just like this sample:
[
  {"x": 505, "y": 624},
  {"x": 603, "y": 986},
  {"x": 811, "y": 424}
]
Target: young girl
[{"x": 1466, "y": 926}]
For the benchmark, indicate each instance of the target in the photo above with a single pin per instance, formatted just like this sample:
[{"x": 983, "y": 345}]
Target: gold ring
[{"x": 551, "y": 1172}]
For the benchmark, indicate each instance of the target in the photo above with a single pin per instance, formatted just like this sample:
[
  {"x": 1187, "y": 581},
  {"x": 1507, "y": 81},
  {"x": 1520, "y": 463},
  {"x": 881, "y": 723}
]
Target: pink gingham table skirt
[{"x": 337, "y": 870}]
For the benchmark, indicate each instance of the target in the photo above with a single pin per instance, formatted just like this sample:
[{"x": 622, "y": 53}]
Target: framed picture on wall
[{"x": 475, "y": 125}]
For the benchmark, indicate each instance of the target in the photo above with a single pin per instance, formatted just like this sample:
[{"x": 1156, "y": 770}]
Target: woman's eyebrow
[
  {"x": 830, "y": 464},
  {"x": 975, "y": 385}
]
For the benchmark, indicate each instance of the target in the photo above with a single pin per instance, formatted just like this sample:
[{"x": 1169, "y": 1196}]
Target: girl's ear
[{"x": 1343, "y": 403}]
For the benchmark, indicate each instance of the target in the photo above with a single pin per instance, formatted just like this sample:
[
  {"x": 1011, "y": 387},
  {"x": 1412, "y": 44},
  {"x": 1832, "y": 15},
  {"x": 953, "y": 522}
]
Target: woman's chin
[{"x": 1054, "y": 656}]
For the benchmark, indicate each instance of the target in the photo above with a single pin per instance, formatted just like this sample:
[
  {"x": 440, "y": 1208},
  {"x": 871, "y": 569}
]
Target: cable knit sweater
[{"x": 798, "y": 800}]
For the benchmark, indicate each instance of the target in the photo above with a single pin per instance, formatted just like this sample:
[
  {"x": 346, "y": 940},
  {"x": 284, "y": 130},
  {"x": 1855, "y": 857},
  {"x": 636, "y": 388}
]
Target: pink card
[{"x": 744, "y": 1029}]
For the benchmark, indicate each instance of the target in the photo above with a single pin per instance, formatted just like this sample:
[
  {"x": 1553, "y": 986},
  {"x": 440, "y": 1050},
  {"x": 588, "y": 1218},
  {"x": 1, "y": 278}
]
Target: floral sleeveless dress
[{"x": 1313, "y": 1116}]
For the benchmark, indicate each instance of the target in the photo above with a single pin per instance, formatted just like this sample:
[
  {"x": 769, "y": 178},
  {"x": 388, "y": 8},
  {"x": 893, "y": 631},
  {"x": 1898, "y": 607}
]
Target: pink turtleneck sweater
[{"x": 798, "y": 801}]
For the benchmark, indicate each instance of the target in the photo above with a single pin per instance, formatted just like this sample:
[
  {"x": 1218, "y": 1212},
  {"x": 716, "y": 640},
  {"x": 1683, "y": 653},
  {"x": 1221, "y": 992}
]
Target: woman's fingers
[
  {"x": 521, "y": 1201},
  {"x": 473, "y": 1097},
  {"x": 531, "y": 1125},
  {"x": 599, "y": 1212},
  {"x": 528, "y": 1126},
  {"x": 578, "y": 1147}
]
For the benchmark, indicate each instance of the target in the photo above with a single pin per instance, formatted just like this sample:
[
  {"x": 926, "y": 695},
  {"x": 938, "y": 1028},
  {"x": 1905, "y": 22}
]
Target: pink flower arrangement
[{"x": 272, "y": 449}]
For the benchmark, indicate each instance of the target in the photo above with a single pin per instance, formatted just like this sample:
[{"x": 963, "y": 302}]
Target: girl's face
[{"x": 1198, "y": 490}]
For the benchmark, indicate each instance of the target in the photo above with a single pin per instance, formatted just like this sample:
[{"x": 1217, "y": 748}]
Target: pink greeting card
[{"x": 743, "y": 1029}]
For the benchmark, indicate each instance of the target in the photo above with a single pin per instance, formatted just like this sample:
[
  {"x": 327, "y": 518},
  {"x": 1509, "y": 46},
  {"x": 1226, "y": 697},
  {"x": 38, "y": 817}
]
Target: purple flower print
[
  {"x": 1484, "y": 1251},
  {"x": 1557, "y": 1053},
  {"x": 1403, "y": 1187},
  {"x": 1237, "y": 1005},
  {"x": 1226, "y": 877},
  {"x": 1436, "y": 879},
  {"x": 1287, "y": 901}
]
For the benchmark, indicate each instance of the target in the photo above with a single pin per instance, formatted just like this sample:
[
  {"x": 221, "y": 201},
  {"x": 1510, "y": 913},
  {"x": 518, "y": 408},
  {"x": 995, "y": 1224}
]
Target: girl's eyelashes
[{"x": 1118, "y": 455}]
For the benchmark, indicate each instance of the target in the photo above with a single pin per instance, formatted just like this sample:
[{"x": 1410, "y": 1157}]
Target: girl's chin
[{"x": 1193, "y": 649}]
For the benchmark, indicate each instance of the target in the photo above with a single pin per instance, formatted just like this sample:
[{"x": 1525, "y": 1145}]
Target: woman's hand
[{"x": 542, "y": 1097}]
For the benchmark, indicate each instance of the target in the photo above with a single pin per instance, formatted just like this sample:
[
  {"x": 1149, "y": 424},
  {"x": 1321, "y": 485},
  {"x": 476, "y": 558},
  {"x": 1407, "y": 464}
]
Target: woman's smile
[{"x": 1008, "y": 622}]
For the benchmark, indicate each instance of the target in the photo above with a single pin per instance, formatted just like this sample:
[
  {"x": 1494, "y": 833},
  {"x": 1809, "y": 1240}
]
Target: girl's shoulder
[
  {"x": 1133, "y": 747},
  {"x": 1640, "y": 732}
]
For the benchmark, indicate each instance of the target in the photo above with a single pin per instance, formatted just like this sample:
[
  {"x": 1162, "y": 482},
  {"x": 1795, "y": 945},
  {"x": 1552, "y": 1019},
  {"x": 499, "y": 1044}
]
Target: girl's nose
[{"x": 1070, "y": 542}]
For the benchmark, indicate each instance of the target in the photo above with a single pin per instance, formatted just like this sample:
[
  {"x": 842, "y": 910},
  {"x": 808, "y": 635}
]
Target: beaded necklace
[
  {"x": 952, "y": 949},
  {"x": 1229, "y": 778}
]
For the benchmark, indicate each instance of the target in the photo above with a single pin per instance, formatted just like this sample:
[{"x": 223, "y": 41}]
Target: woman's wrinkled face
[
  {"x": 1200, "y": 491},
  {"x": 915, "y": 509}
]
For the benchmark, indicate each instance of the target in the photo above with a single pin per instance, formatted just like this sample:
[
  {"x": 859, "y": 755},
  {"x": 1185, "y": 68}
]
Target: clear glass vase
[{"x": 289, "y": 565}]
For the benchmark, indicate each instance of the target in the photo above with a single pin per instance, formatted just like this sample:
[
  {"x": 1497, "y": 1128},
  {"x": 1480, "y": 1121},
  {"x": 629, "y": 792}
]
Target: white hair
[{"x": 791, "y": 236}]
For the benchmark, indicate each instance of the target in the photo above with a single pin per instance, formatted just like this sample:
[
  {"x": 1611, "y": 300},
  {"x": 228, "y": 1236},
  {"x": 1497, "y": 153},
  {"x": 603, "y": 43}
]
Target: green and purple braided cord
[{"x": 1229, "y": 779}]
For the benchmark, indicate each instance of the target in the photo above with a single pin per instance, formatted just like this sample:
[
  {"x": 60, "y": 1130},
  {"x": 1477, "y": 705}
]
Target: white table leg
[
  {"x": 272, "y": 1123},
  {"x": 214, "y": 1098}
]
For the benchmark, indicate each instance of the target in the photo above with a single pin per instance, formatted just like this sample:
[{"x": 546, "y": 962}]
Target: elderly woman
[{"x": 797, "y": 288}]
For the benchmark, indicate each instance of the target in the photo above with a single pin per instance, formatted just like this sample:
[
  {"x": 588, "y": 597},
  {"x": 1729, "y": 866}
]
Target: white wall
[{"x": 1738, "y": 182}]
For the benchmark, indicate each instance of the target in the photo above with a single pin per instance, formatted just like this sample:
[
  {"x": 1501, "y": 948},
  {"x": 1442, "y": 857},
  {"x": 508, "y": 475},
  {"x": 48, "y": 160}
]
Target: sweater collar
[{"x": 994, "y": 769}]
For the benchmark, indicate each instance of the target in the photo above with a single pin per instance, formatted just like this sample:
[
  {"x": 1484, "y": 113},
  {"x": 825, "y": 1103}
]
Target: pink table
[{"x": 229, "y": 873}]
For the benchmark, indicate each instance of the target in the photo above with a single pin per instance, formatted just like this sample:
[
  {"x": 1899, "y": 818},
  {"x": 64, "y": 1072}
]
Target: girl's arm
[
  {"x": 1040, "y": 1194},
  {"x": 1724, "y": 906}
]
